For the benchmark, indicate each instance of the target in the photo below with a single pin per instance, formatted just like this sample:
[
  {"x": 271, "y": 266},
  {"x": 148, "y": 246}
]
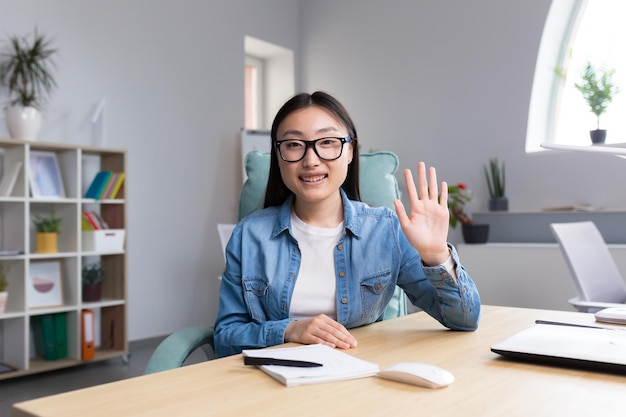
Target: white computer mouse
[
  {"x": 612, "y": 315},
  {"x": 418, "y": 373}
]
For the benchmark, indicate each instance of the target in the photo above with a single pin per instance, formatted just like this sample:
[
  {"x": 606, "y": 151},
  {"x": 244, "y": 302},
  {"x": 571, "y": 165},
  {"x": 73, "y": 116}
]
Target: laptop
[{"x": 589, "y": 347}]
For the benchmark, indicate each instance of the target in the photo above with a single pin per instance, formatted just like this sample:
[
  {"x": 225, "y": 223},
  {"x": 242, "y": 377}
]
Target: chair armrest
[{"x": 174, "y": 349}]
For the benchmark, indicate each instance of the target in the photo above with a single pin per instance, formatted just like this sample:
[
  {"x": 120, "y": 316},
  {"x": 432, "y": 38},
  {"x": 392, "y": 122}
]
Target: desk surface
[{"x": 486, "y": 384}]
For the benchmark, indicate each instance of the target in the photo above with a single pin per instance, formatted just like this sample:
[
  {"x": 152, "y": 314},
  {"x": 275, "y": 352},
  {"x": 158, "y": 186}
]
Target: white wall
[
  {"x": 172, "y": 76},
  {"x": 449, "y": 82}
]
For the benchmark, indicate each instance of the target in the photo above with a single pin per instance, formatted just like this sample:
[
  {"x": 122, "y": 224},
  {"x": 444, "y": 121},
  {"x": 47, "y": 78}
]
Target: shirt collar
[{"x": 283, "y": 222}]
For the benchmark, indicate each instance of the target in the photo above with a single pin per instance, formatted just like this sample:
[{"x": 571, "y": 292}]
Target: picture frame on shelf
[
  {"x": 45, "y": 175},
  {"x": 45, "y": 284}
]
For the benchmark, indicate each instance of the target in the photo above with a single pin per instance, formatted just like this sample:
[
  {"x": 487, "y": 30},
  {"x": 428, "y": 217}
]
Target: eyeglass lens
[{"x": 325, "y": 148}]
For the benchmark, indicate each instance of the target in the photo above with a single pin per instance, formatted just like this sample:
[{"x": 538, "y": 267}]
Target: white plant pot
[
  {"x": 3, "y": 301},
  {"x": 23, "y": 122}
]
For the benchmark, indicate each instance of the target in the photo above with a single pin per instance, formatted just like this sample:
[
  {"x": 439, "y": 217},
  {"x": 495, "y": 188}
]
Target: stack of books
[
  {"x": 91, "y": 220},
  {"x": 105, "y": 185}
]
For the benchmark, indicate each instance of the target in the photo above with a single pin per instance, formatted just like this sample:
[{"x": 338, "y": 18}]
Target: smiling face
[{"x": 314, "y": 181}]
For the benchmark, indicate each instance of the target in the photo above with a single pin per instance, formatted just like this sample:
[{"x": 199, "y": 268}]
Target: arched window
[{"x": 575, "y": 33}]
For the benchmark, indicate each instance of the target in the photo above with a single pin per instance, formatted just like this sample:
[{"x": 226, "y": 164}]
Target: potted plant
[
  {"x": 598, "y": 89},
  {"x": 4, "y": 284},
  {"x": 26, "y": 71},
  {"x": 92, "y": 277},
  {"x": 458, "y": 196},
  {"x": 495, "y": 176},
  {"x": 48, "y": 229}
]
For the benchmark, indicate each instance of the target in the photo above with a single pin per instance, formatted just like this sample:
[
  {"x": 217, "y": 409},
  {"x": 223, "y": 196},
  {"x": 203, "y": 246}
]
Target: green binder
[
  {"x": 60, "y": 332},
  {"x": 45, "y": 339}
]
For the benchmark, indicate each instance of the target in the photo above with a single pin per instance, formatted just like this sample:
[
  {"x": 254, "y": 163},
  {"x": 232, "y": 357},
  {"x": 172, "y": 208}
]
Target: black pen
[
  {"x": 558, "y": 323},
  {"x": 250, "y": 360}
]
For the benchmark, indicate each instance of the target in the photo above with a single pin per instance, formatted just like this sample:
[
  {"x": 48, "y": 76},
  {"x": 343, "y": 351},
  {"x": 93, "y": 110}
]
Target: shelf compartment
[{"x": 16, "y": 301}]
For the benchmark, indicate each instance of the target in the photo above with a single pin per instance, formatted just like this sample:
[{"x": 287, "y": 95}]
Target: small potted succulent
[
  {"x": 458, "y": 196},
  {"x": 48, "y": 229},
  {"x": 92, "y": 277},
  {"x": 495, "y": 176}
]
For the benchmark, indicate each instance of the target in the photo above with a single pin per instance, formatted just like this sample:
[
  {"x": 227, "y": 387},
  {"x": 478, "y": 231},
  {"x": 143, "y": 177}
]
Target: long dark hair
[{"x": 277, "y": 192}]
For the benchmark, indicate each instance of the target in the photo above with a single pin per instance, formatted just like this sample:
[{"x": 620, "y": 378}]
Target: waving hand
[{"x": 426, "y": 225}]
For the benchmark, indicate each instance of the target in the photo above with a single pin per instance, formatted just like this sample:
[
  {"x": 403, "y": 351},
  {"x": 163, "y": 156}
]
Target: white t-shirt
[{"x": 315, "y": 288}]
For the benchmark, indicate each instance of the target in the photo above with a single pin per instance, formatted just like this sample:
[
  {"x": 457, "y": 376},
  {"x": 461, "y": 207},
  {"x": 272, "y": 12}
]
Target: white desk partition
[{"x": 253, "y": 140}]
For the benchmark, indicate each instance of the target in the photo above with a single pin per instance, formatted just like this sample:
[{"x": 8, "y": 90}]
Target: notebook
[
  {"x": 566, "y": 345},
  {"x": 337, "y": 365}
]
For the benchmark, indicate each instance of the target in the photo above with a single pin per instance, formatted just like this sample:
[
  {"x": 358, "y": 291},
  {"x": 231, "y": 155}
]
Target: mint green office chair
[{"x": 379, "y": 187}]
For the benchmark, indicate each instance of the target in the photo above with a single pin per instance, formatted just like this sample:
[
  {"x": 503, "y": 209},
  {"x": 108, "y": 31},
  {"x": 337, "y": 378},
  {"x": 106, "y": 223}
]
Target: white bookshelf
[{"x": 78, "y": 165}]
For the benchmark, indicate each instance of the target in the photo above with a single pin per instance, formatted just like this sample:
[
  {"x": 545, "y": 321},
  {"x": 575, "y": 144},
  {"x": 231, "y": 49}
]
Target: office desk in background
[{"x": 486, "y": 385}]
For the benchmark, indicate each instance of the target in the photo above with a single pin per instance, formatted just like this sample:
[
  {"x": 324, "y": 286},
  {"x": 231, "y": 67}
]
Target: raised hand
[{"x": 426, "y": 225}]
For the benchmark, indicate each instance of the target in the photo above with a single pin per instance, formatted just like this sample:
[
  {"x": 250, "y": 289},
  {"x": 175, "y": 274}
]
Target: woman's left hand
[{"x": 426, "y": 226}]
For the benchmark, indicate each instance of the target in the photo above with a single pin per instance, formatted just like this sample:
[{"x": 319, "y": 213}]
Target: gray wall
[
  {"x": 171, "y": 73},
  {"x": 447, "y": 82}
]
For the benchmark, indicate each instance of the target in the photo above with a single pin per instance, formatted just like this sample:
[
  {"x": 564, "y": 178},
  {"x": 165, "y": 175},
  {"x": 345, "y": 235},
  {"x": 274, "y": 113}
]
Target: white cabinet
[
  {"x": 532, "y": 275},
  {"x": 77, "y": 165}
]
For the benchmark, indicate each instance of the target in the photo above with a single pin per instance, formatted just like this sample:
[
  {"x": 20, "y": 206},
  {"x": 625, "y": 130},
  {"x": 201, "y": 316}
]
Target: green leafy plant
[
  {"x": 4, "y": 283},
  {"x": 50, "y": 224},
  {"x": 597, "y": 88},
  {"x": 495, "y": 176},
  {"x": 93, "y": 274},
  {"x": 458, "y": 196},
  {"x": 26, "y": 69}
]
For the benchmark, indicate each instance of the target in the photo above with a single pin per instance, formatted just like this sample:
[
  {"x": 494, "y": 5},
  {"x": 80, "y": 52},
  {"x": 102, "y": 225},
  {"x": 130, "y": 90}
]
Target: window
[
  {"x": 268, "y": 81},
  {"x": 577, "y": 32},
  {"x": 253, "y": 89}
]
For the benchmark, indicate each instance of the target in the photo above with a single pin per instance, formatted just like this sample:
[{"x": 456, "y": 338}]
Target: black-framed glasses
[{"x": 328, "y": 149}]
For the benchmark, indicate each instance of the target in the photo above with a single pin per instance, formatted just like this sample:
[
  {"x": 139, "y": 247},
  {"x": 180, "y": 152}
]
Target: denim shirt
[{"x": 371, "y": 258}]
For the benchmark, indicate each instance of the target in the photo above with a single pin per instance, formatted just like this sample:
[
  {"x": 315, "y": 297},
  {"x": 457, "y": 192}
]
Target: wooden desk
[{"x": 486, "y": 384}]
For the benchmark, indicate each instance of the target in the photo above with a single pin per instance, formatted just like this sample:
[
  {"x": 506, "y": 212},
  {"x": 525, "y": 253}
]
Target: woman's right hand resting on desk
[{"x": 319, "y": 329}]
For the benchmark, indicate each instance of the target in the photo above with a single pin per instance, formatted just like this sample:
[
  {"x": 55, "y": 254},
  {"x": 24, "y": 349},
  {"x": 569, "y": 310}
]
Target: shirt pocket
[
  {"x": 376, "y": 291},
  {"x": 256, "y": 295}
]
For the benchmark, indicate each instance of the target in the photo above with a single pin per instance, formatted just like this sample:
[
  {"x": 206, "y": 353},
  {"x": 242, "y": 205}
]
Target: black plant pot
[
  {"x": 475, "y": 233},
  {"x": 498, "y": 204},
  {"x": 597, "y": 136}
]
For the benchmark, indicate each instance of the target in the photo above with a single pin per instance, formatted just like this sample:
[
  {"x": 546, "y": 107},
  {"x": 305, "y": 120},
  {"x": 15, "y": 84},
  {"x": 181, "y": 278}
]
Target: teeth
[{"x": 313, "y": 179}]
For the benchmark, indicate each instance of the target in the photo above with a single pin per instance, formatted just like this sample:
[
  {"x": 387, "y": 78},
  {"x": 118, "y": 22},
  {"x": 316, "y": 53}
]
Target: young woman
[{"x": 316, "y": 262}]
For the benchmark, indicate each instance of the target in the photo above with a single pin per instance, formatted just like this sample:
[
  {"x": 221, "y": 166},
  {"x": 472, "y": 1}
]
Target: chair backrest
[
  {"x": 592, "y": 266},
  {"x": 377, "y": 184}
]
